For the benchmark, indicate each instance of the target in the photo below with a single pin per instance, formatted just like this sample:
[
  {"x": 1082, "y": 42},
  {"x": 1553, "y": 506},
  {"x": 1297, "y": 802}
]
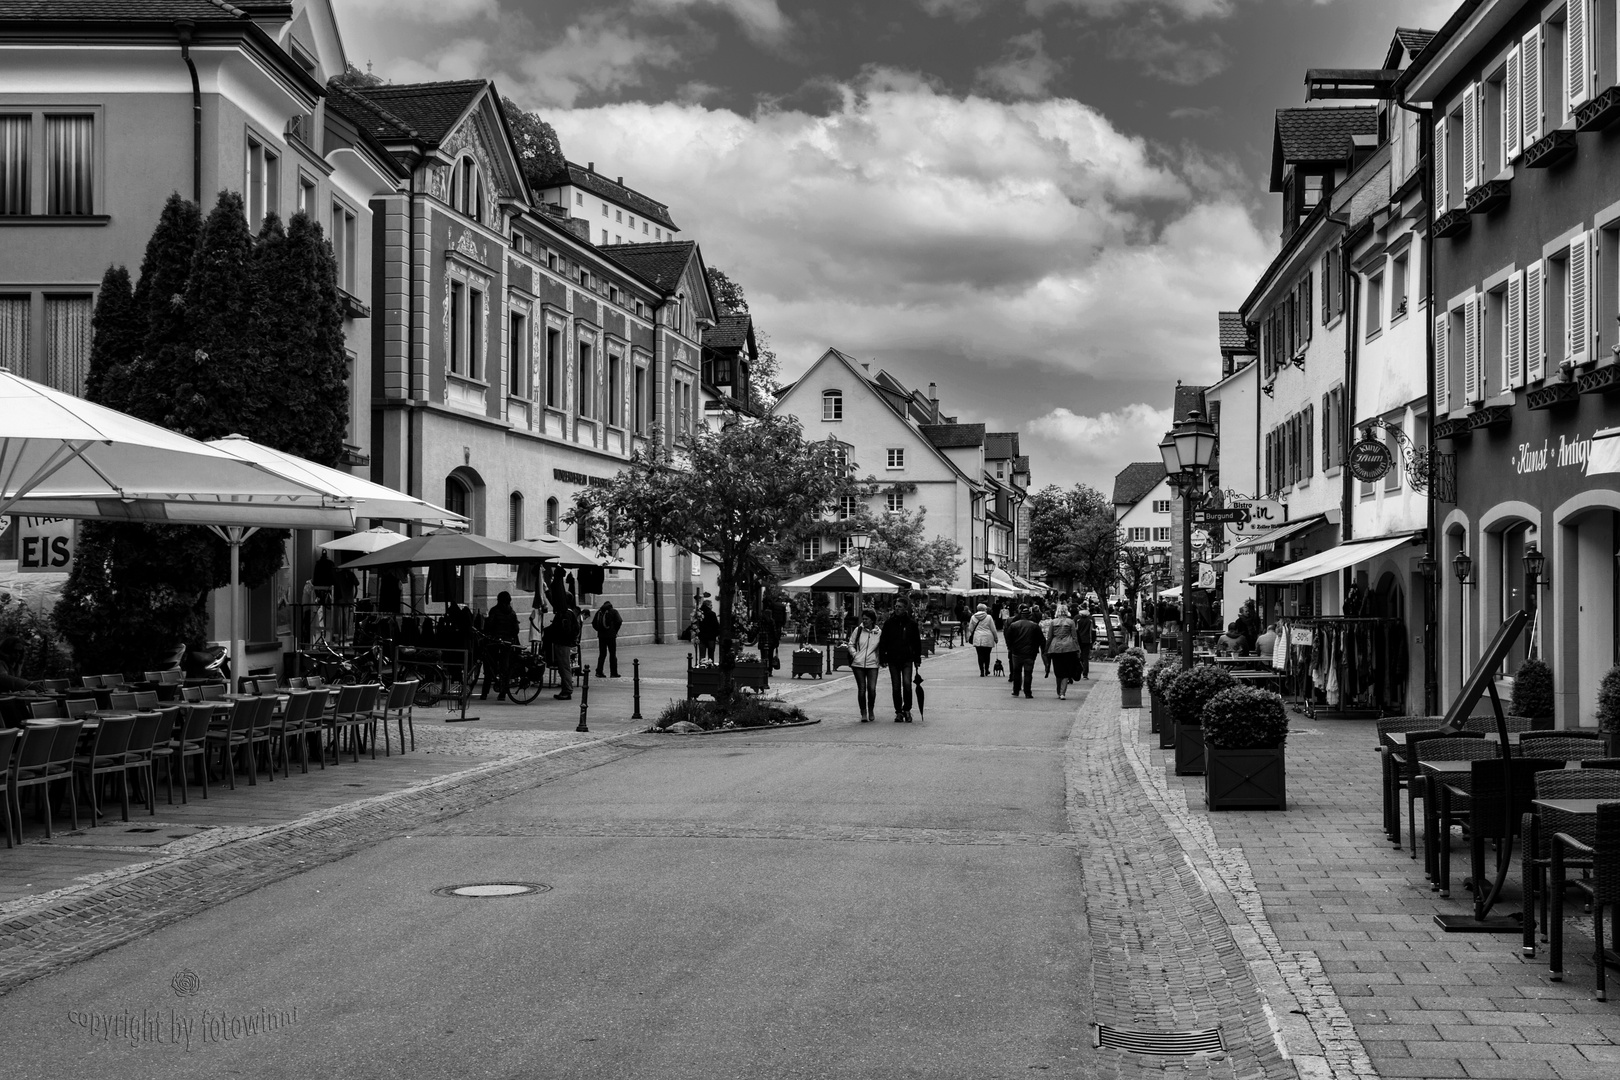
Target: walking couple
[{"x": 898, "y": 647}]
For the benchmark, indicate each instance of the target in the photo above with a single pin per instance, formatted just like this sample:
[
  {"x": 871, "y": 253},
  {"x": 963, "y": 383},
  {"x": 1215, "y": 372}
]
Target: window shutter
[
  {"x": 1578, "y": 291},
  {"x": 1327, "y": 299},
  {"x": 1442, "y": 371},
  {"x": 1535, "y": 345},
  {"x": 1471, "y": 380},
  {"x": 1308, "y": 456},
  {"x": 1530, "y": 69},
  {"x": 1512, "y": 109},
  {"x": 1577, "y": 53},
  {"x": 1327, "y": 429},
  {"x": 1307, "y": 297},
  {"x": 1440, "y": 204},
  {"x": 1470, "y": 138},
  {"x": 1513, "y": 334}
]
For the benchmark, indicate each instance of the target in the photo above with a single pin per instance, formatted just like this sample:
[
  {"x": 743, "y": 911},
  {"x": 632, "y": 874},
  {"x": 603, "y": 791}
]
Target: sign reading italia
[
  {"x": 45, "y": 545},
  {"x": 1370, "y": 461}
]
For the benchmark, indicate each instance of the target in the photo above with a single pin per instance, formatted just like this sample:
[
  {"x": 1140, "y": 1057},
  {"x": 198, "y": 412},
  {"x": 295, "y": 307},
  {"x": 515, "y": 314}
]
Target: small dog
[{"x": 998, "y": 669}]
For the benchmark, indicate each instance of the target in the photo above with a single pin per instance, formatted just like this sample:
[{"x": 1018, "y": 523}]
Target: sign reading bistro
[{"x": 1370, "y": 461}]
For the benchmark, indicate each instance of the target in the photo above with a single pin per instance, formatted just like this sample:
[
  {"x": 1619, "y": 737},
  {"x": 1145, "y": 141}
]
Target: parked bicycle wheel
[
  {"x": 430, "y": 690},
  {"x": 527, "y": 680}
]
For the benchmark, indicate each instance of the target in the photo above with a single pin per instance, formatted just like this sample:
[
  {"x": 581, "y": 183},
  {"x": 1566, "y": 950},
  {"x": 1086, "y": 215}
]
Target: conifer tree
[
  {"x": 118, "y": 329},
  {"x": 219, "y": 382}
]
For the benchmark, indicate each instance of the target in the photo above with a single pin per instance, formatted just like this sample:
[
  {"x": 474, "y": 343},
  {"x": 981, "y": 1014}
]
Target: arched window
[
  {"x": 457, "y": 496},
  {"x": 832, "y": 404},
  {"x": 467, "y": 188},
  {"x": 553, "y": 516},
  {"x": 514, "y": 517}
]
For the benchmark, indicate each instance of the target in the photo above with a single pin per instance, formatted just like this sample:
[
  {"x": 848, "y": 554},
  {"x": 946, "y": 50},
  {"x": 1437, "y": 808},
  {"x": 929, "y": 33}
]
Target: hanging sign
[
  {"x": 1370, "y": 461},
  {"x": 44, "y": 545},
  {"x": 1259, "y": 515}
]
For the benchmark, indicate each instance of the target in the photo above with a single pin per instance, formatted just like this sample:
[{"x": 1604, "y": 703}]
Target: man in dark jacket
[
  {"x": 502, "y": 625},
  {"x": 899, "y": 648},
  {"x": 558, "y": 641},
  {"x": 770, "y": 636},
  {"x": 1086, "y": 630},
  {"x": 1024, "y": 643},
  {"x": 606, "y": 623}
]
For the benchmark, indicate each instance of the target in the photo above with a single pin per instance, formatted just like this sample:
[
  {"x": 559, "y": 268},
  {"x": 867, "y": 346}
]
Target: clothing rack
[{"x": 1355, "y": 666}]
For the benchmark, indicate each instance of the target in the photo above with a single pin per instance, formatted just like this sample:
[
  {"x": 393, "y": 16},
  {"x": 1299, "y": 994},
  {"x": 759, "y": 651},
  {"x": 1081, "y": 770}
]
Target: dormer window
[
  {"x": 1310, "y": 192},
  {"x": 467, "y": 188}
]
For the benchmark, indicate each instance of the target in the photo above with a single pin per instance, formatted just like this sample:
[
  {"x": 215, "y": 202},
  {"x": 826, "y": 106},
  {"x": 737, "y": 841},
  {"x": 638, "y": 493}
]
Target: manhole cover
[
  {"x": 1159, "y": 1043},
  {"x": 493, "y": 889},
  {"x": 140, "y": 830}
]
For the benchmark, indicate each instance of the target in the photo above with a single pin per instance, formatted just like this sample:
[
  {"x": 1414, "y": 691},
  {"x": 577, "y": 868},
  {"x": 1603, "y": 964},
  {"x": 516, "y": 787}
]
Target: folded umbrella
[{"x": 917, "y": 681}]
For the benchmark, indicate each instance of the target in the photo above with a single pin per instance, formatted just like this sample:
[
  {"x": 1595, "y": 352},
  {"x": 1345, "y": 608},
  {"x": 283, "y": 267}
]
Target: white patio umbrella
[
  {"x": 562, "y": 551},
  {"x": 843, "y": 579},
  {"x": 365, "y": 542}
]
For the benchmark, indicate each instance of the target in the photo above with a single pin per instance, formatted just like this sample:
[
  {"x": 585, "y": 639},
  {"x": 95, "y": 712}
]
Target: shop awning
[
  {"x": 1278, "y": 535},
  {"x": 1330, "y": 561}
]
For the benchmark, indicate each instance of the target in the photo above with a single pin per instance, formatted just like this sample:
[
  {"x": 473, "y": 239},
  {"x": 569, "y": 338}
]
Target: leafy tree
[
  {"x": 1073, "y": 537},
  {"x": 118, "y": 329},
  {"x": 900, "y": 545},
  {"x": 1135, "y": 571},
  {"x": 536, "y": 143},
  {"x": 729, "y": 298},
  {"x": 725, "y": 495}
]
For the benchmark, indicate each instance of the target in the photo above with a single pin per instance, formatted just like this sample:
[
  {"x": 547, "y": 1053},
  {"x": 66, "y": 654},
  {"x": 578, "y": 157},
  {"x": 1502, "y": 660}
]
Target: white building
[
  {"x": 615, "y": 213},
  {"x": 1234, "y": 409}
]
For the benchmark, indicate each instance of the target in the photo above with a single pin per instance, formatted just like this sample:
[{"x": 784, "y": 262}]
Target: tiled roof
[
  {"x": 659, "y": 265},
  {"x": 1021, "y": 464},
  {"x": 597, "y": 184},
  {"x": 1001, "y": 444},
  {"x": 1134, "y": 481},
  {"x": 953, "y": 436},
  {"x": 1322, "y": 134},
  {"x": 134, "y": 10},
  {"x": 422, "y": 111},
  {"x": 1234, "y": 334},
  {"x": 729, "y": 332},
  {"x": 1188, "y": 399},
  {"x": 1413, "y": 41}
]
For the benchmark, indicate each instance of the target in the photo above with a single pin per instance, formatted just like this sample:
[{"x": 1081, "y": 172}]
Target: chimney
[
  {"x": 621, "y": 181},
  {"x": 933, "y": 400},
  {"x": 590, "y": 166},
  {"x": 866, "y": 367}
]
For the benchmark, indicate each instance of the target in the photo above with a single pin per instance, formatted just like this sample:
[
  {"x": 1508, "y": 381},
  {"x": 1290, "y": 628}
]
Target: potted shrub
[
  {"x": 1130, "y": 681},
  {"x": 1608, "y": 707},
  {"x": 1533, "y": 694},
  {"x": 1167, "y": 667},
  {"x": 703, "y": 678},
  {"x": 1244, "y": 732},
  {"x": 750, "y": 670},
  {"x": 1185, "y": 699},
  {"x": 1150, "y": 640}
]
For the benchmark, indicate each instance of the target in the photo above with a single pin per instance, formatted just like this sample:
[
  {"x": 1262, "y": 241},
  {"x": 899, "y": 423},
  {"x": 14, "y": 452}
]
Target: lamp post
[
  {"x": 860, "y": 541},
  {"x": 1188, "y": 449},
  {"x": 1535, "y": 571},
  {"x": 1156, "y": 561}
]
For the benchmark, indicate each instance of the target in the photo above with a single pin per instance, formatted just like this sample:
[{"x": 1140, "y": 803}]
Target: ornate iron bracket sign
[{"x": 1423, "y": 470}]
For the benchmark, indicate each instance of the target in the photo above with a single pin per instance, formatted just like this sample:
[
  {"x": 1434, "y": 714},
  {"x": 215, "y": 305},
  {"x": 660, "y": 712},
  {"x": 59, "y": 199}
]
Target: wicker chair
[
  {"x": 1563, "y": 749},
  {"x": 50, "y": 709},
  {"x": 1410, "y": 775},
  {"x": 292, "y": 724},
  {"x": 1539, "y": 828},
  {"x": 234, "y": 735},
  {"x": 1443, "y": 748},
  {"x": 9, "y": 738},
  {"x": 1392, "y": 761},
  {"x": 1563, "y": 733},
  {"x": 142, "y": 750},
  {"x": 1602, "y": 887},
  {"x": 1485, "y": 810},
  {"x": 1487, "y": 724}
]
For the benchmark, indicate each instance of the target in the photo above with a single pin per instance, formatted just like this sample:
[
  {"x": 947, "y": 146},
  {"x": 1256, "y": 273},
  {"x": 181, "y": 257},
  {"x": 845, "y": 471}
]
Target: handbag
[{"x": 686, "y": 633}]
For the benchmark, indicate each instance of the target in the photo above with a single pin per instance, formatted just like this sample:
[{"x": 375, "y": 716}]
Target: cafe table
[{"x": 1579, "y": 808}]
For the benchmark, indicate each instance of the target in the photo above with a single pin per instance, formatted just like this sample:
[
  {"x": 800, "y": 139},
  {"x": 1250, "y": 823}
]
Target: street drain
[
  {"x": 493, "y": 889},
  {"x": 1159, "y": 1043},
  {"x": 140, "y": 830}
]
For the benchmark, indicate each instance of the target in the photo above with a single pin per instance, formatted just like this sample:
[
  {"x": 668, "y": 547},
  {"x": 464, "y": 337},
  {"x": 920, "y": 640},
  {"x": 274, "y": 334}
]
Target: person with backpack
[
  {"x": 607, "y": 623},
  {"x": 981, "y": 634},
  {"x": 558, "y": 641},
  {"x": 899, "y": 649}
]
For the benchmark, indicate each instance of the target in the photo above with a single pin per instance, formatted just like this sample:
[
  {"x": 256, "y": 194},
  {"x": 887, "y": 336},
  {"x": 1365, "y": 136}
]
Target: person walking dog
[
  {"x": 863, "y": 648},
  {"x": 1024, "y": 644},
  {"x": 981, "y": 634},
  {"x": 607, "y": 623},
  {"x": 899, "y": 649}
]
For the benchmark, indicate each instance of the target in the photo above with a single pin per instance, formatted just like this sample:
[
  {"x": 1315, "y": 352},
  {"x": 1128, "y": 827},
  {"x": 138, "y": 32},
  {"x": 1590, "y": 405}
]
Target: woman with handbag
[
  {"x": 981, "y": 634},
  {"x": 863, "y": 645},
  {"x": 1063, "y": 649}
]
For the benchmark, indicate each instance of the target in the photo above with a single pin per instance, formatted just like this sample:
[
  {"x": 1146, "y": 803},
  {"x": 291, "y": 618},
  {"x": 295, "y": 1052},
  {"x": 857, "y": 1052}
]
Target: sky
[{"x": 1040, "y": 205}]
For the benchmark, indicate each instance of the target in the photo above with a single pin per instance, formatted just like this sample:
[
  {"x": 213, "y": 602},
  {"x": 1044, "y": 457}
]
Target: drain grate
[
  {"x": 1159, "y": 1043},
  {"x": 491, "y": 890},
  {"x": 140, "y": 830}
]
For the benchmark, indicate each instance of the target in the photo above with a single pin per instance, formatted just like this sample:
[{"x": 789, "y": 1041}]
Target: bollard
[
  {"x": 635, "y": 680},
  {"x": 584, "y": 698}
]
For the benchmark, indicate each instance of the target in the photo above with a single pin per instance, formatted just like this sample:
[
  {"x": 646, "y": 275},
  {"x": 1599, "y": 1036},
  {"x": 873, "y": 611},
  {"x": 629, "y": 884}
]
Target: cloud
[
  {"x": 1162, "y": 56},
  {"x": 425, "y": 11},
  {"x": 463, "y": 58},
  {"x": 1024, "y": 71},
  {"x": 598, "y": 54},
  {"x": 762, "y": 20},
  {"x": 1191, "y": 112},
  {"x": 1186, "y": 9},
  {"x": 999, "y": 235},
  {"x": 1105, "y": 436}
]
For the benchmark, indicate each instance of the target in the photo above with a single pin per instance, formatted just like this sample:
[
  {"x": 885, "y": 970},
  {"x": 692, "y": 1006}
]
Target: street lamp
[
  {"x": 1188, "y": 449},
  {"x": 860, "y": 541},
  {"x": 1535, "y": 565},
  {"x": 1535, "y": 570},
  {"x": 1156, "y": 561},
  {"x": 1463, "y": 567}
]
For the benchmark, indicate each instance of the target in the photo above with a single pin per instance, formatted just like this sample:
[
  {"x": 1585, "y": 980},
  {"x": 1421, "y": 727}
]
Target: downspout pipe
[{"x": 183, "y": 29}]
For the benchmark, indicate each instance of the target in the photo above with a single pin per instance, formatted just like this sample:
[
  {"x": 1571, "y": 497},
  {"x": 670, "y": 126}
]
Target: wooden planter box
[
  {"x": 843, "y": 656},
  {"x": 1130, "y": 697},
  {"x": 701, "y": 681},
  {"x": 1189, "y": 751},
  {"x": 806, "y": 663},
  {"x": 757, "y": 675},
  {"x": 1155, "y": 713},
  {"x": 1244, "y": 779},
  {"x": 1167, "y": 728},
  {"x": 1150, "y": 647}
]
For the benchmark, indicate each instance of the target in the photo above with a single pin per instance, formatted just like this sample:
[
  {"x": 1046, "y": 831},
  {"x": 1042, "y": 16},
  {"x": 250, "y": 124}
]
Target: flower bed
[{"x": 742, "y": 709}]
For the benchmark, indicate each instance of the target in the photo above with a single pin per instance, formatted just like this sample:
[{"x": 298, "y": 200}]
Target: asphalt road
[{"x": 844, "y": 900}]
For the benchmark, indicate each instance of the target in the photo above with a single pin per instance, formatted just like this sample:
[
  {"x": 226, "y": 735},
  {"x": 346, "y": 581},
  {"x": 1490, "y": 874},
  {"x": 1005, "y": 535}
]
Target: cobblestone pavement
[{"x": 1334, "y": 926}]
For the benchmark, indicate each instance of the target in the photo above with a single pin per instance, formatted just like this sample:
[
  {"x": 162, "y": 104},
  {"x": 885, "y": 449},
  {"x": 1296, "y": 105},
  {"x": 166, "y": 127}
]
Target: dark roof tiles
[
  {"x": 1189, "y": 399},
  {"x": 659, "y": 265},
  {"x": 1234, "y": 333},
  {"x": 729, "y": 332},
  {"x": 1322, "y": 134},
  {"x": 598, "y": 184},
  {"x": 953, "y": 436},
  {"x": 424, "y": 111},
  {"x": 131, "y": 10},
  {"x": 1134, "y": 481}
]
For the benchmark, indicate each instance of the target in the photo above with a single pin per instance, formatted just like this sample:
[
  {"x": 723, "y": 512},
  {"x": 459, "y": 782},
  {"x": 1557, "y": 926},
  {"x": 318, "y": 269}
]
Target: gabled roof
[
  {"x": 1317, "y": 136},
  {"x": 1413, "y": 41},
  {"x": 422, "y": 112},
  {"x": 729, "y": 332},
  {"x": 953, "y": 436},
  {"x": 139, "y": 10},
  {"x": 597, "y": 184},
  {"x": 1021, "y": 464},
  {"x": 1235, "y": 333},
  {"x": 1001, "y": 444},
  {"x": 659, "y": 265},
  {"x": 1189, "y": 399},
  {"x": 1134, "y": 481}
]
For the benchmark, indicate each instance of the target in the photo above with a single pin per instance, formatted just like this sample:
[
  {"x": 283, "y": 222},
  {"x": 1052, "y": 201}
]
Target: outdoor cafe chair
[
  {"x": 1487, "y": 724},
  {"x": 233, "y": 735},
  {"x": 47, "y": 710},
  {"x": 1543, "y": 823},
  {"x": 291, "y": 724},
  {"x": 1444, "y": 748},
  {"x": 9, "y": 738},
  {"x": 122, "y": 699},
  {"x": 1485, "y": 811},
  {"x": 172, "y": 677},
  {"x": 106, "y": 756},
  {"x": 190, "y": 739},
  {"x": 399, "y": 707},
  {"x": 78, "y": 708},
  {"x": 1411, "y": 776},
  {"x": 260, "y": 735},
  {"x": 152, "y": 676},
  {"x": 1601, "y": 886},
  {"x": 138, "y": 758},
  {"x": 1592, "y": 734},
  {"x": 1391, "y": 759},
  {"x": 110, "y": 681},
  {"x": 191, "y": 694},
  {"x": 54, "y": 686},
  {"x": 344, "y": 718},
  {"x": 46, "y": 756},
  {"x": 265, "y": 685},
  {"x": 298, "y": 683},
  {"x": 90, "y": 682},
  {"x": 214, "y": 691},
  {"x": 314, "y": 726},
  {"x": 146, "y": 699},
  {"x": 1563, "y": 749}
]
